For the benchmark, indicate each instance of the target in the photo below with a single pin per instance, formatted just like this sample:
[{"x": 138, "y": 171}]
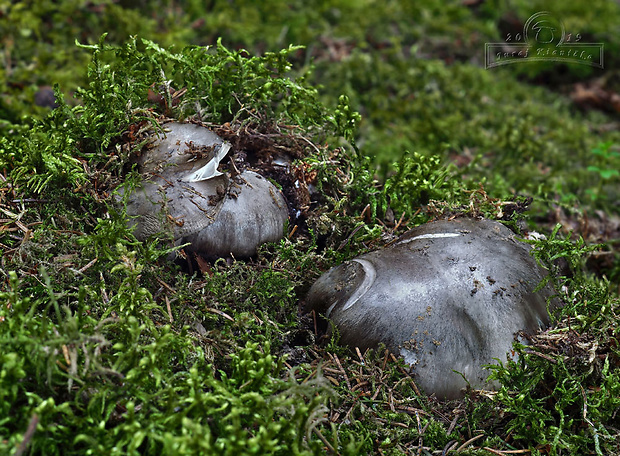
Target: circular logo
[{"x": 544, "y": 28}]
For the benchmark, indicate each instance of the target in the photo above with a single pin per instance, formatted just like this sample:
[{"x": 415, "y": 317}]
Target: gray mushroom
[
  {"x": 449, "y": 296},
  {"x": 183, "y": 193}
]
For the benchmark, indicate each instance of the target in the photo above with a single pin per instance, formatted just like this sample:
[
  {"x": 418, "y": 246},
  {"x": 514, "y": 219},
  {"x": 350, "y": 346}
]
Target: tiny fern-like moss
[
  {"x": 159, "y": 395},
  {"x": 216, "y": 84},
  {"x": 418, "y": 179}
]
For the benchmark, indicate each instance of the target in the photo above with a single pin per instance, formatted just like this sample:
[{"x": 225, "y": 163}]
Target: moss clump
[{"x": 73, "y": 382}]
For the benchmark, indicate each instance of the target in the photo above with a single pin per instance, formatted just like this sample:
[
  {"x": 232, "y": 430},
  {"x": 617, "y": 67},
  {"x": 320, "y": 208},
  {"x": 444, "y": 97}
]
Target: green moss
[
  {"x": 110, "y": 348},
  {"x": 460, "y": 110},
  {"x": 122, "y": 386}
]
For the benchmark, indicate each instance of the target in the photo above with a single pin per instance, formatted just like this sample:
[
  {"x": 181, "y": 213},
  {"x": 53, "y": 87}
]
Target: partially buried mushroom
[
  {"x": 449, "y": 296},
  {"x": 183, "y": 193}
]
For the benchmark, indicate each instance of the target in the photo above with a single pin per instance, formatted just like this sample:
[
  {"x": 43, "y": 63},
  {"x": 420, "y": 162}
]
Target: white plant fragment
[{"x": 210, "y": 169}]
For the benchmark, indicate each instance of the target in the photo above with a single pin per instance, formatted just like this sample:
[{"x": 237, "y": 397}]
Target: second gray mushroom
[{"x": 448, "y": 296}]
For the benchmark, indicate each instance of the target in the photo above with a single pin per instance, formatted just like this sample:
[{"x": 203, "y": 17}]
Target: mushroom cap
[
  {"x": 183, "y": 148},
  {"x": 448, "y": 296},
  {"x": 219, "y": 215},
  {"x": 252, "y": 213}
]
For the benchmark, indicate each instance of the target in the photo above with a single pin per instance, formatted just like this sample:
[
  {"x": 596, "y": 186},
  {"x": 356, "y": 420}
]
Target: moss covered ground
[{"x": 106, "y": 347}]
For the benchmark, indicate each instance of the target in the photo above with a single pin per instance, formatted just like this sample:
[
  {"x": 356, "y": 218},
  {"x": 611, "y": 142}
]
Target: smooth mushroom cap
[
  {"x": 252, "y": 216},
  {"x": 448, "y": 296}
]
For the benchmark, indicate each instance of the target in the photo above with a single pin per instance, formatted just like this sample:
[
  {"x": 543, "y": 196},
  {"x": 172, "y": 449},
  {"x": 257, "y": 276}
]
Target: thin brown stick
[
  {"x": 32, "y": 427},
  {"x": 503, "y": 452},
  {"x": 165, "y": 285},
  {"x": 411, "y": 410},
  {"x": 420, "y": 441},
  {"x": 316, "y": 330},
  {"x": 385, "y": 359},
  {"x": 470, "y": 441},
  {"x": 292, "y": 232},
  {"x": 329, "y": 446},
  {"x": 169, "y": 309},
  {"x": 378, "y": 390},
  {"x": 449, "y": 447},
  {"x": 542, "y": 355},
  {"x": 400, "y": 220},
  {"x": 91, "y": 263},
  {"x": 452, "y": 425},
  {"x": 344, "y": 373},
  {"x": 219, "y": 312},
  {"x": 359, "y": 354}
]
